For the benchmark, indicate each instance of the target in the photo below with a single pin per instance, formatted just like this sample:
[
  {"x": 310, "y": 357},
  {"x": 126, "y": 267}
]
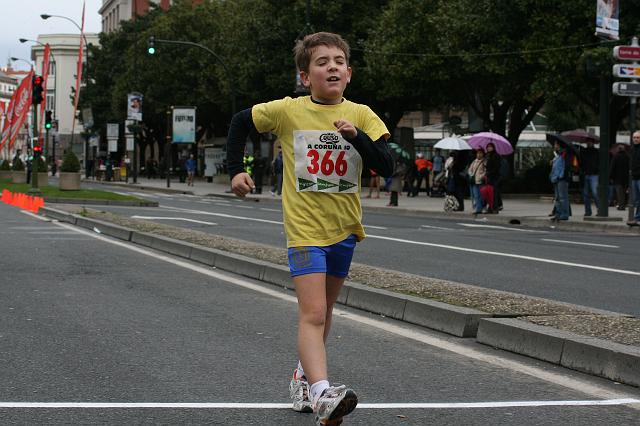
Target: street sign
[
  {"x": 628, "y": 53},
  {"x": 626, "y": 71},
  {"x": 626, "y": 89}
]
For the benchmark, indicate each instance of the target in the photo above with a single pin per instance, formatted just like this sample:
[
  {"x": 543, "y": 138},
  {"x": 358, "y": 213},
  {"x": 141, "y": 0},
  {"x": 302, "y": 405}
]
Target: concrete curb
[
  {"x": 587, "y": 354},
  {"x": 594, "y": 356},
  {"x": 87, "y": 201}
]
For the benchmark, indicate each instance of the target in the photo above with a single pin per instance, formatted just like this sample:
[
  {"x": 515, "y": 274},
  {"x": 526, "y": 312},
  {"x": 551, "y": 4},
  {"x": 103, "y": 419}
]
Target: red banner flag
[
  {"x": 78, "y": 72},
  {"x": 43, "y": 104},
  {"x": 18, "y": 111}
]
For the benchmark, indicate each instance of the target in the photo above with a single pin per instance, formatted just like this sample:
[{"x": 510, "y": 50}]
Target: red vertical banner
[
  {"x": 21, "y": 101},
  {"x": 45, "y": 77},
  {"x": 78, "y": 72},
  {"x": 6, "y": 126}
]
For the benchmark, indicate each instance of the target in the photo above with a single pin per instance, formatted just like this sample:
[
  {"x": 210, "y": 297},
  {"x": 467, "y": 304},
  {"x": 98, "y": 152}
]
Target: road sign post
[{"x": 632, "y": 90}]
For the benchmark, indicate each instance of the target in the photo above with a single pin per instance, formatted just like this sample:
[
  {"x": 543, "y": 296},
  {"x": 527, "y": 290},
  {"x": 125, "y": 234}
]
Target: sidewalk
[{"x": 518, "y": 209}]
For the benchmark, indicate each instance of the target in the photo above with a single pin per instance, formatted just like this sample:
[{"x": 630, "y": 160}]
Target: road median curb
[{"x": 599, "y": 357}]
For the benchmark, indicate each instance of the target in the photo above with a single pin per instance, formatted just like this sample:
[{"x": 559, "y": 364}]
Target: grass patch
[{"x": 54, "y": 192}]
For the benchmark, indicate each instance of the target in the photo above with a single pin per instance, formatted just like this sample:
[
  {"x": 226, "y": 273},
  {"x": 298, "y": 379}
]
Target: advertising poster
[
  {"x": 607, "y": 19},
  {"x": 134, "y": 106},
  {"x": 184, "y": 125}
]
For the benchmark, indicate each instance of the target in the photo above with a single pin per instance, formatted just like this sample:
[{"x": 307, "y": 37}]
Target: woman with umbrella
[{"x": 495, "y": 146}]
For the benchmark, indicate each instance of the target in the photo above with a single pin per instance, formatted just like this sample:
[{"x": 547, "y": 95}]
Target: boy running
[{"x": 326, "y": 141}]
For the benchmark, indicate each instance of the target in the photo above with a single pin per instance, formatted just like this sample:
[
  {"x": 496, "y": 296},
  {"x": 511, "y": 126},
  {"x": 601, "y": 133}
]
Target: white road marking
[
  {"x": 576, "y": 384},
  {"x": 244, "y": 207},
  {"x": 173, "y": 218},
  {"x": 515, "y": 256},
  {"x": 578, "y": 243},
  {"x": 475, "y": 225},
  {"x": 287, "y": 405},
  {"x": 42, "y": 218},
  {"x": 437, "y": 227},
  {"x": 269, "y": 210},
  {"x": 178, "y": 209},
  {"x": 374, "y": 227}
]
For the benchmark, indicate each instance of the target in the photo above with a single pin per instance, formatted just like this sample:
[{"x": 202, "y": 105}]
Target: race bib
[{"x": 325, "y": 162}]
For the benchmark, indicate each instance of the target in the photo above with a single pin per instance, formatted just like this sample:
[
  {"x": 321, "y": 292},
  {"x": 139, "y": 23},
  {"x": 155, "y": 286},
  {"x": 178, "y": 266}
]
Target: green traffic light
[
  {"x": 47, "y": 126},
  {"x": 151, "y": 50}
]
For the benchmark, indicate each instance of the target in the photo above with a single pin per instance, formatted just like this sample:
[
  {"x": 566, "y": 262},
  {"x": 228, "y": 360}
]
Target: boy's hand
[
  {"x": 346, "y": 129},
  {"x": 242, "y": 184}
]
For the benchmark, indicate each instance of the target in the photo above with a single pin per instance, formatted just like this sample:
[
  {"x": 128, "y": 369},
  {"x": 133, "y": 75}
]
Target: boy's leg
[
  {"x": 333, "y": 287},
  {"x": 311, "y": 291}
]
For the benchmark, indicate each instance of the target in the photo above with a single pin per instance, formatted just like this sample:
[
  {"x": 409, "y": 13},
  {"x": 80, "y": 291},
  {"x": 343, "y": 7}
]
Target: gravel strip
[{"x": 535, "y": 310}]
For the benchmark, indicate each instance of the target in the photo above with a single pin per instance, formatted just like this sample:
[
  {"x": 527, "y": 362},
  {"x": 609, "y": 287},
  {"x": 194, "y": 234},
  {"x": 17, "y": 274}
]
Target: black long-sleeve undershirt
[{"x": 375, "y": 155}]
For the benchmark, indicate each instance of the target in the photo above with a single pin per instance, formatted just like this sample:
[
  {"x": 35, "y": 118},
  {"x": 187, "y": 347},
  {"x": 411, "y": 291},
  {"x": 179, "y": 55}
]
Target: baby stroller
[{"x": 439, "y": 187}]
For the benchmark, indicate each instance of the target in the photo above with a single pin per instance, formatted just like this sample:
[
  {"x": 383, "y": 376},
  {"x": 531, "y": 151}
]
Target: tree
[{"x": 503, "y": 60}]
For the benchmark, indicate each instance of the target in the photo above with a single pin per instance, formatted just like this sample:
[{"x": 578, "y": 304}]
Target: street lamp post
[
  {"x": 55, "y": 94},
  {"x": 86, "y": 76}
]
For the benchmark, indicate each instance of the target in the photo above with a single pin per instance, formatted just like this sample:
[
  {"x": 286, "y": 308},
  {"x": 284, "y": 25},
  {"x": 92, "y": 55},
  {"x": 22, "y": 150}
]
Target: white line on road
[
  {"x": 270, "y": 210},
  {"x": 173, "y": 218},
  {"x": 475, "y": 225},
  {"x": 287, "y": 405},
  {"x": 515, "y": 256},
  {"x": 577, "y": 384},
  {"x": 582, "y": 244},
  {"x": 42, "y": 218},
  {"x": 437, "y": 227},
  {"x": 178, "y": 209},
  {"x": 374, "y": 227}
]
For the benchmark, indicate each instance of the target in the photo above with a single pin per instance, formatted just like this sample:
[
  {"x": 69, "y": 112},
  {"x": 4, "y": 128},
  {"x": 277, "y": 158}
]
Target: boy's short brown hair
[{"x": 304, "y": 48}]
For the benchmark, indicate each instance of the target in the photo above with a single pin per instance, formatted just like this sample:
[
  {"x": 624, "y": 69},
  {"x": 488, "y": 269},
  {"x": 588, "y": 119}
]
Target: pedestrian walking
[
  {"x": 190, "y": 165},
  {"x": 374, "y": 183},
  {"x": 397, "y": 180},
  {"x": 619, "y": 175},
  {"x": 589, "y": 165},
  {"x": 422, "y": 169},
  {"x": 277, "y": 173},
  {"x": 559, "y": 177},
  {"x": 321, "y": 200},
  {"x": 635, "y": 177},
  {"x": 477, "y": 177},
  {"x": 494, "y": 163}
]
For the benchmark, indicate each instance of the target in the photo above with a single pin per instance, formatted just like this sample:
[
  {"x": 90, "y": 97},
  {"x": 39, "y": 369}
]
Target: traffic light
[
  {"x": 151, "y": 45},
  {"x": 37, "y": 150},
  {"x": 36, "y": 93},
  {"x": 48, "y": 122}
]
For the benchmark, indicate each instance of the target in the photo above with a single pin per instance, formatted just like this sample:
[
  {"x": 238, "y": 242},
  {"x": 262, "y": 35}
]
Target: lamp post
[
  {"x": 55, "y": 93},
  {"x": 46, "y": 16}
]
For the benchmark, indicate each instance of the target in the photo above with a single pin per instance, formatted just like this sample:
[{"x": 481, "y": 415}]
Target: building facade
[
  {"x": 115, "y": 11},
  {"x": 61, "y": 80}
]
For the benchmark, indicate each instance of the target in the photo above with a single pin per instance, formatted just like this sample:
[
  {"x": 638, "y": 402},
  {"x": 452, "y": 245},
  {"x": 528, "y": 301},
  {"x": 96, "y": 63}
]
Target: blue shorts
[{"x": 333, "y": 260}]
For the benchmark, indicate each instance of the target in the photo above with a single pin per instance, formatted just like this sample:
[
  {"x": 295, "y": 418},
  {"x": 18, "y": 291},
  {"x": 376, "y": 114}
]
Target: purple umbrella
[{"x": 481, "y": 140}]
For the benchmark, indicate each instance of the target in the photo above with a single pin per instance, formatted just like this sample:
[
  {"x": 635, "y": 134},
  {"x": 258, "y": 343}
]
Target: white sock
[
  {"x": 317, "y": 388},
  {"x": 300, "y": 369}
]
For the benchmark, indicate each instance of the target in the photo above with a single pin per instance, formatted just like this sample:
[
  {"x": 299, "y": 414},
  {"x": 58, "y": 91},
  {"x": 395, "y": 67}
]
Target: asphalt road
[
  {"x": 591, "y": 269},
  {"x": 85, "y": 319}
]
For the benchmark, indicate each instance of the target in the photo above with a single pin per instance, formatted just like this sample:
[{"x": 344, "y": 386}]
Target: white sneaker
[
  {"x": 334, "y": 403},
  {"x": 299, "y": 393}
]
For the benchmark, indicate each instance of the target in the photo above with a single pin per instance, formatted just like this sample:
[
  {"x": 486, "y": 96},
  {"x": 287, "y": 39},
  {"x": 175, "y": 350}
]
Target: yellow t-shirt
[{"x": 321, "y": 182}]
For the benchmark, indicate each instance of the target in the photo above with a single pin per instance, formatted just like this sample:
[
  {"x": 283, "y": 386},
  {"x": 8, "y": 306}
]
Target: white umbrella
[{"x": 452, "y": 143}]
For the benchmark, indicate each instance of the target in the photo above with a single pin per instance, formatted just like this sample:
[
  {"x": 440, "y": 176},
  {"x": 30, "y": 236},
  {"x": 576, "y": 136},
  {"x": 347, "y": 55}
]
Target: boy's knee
[{"x": 315, "y": 317}]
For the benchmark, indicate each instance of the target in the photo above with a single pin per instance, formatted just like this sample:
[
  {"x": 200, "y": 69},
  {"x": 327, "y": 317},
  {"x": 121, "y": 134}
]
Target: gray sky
[{"x": 21, "y": 19}]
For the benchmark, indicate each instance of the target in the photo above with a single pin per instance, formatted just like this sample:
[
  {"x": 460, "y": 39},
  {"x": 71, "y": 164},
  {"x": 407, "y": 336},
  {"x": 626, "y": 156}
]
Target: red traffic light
[
  {"x": 37, "y": 149},
  {"x": 37, "y": 80}
]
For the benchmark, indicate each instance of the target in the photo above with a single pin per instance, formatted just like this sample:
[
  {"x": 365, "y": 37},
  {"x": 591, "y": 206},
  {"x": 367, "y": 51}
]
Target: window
[
  {"x": 51, "y": 100},
  {"x": 52, "y": 68}
]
